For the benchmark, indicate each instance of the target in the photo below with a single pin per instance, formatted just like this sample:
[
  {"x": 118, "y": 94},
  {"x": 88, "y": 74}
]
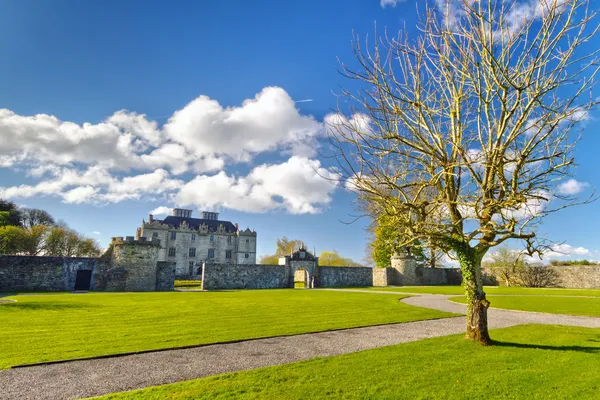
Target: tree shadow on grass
[
  {"x": 18, "y": 306},
  {"x": 583, "y": 349}
]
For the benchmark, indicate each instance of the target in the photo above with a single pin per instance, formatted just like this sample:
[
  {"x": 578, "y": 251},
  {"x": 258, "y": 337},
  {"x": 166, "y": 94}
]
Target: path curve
[
  {"x": 86, "y": 378},
  {"x": 497, "y": 317}
]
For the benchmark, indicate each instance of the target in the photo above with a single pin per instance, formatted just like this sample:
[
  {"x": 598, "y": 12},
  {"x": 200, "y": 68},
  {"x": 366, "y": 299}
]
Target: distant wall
[
  {"x": 383, "y": 276},
  {"x": 35, "y": 273},
  {"x": 165, "y": 276},
  {"x": 439, "y": 276},
  {"x": 578, "y": 276},
  {"x": 127, "y": 265},
  {"x": 344, "y": 276},
  {"x": 253, "y": 276}
]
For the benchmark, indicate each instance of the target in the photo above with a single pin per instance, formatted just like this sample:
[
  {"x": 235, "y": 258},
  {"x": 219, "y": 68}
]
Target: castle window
[
  {"x": 228, "y": 254},
  {"x": 192, "y": 252},
  {"x": 211, "y": 253},
  {"x": 173, "y": 235},
  {"x": 212, "y": 238},
  {"x": 247, "y": 255},
  {"x": 191, "y": 265},
  {"x": 247, "y": 240},
  {"x": 154, "y": 234},
  {"x": 171, "y": 251},
  {"x": 229, "y": 239},
  {"x": 193, "y": 236}
]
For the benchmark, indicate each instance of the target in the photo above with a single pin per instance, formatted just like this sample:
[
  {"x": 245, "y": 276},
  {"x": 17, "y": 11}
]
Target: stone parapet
[{"x": 130, "y": 240}]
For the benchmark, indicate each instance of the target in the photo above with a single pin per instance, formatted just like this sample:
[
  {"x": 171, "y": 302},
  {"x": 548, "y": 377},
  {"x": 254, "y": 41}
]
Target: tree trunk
[{"x": 477, "y": 304}]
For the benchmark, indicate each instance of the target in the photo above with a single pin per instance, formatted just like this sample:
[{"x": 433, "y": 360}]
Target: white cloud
[
  {"x": 162, "y": 210},
  {"x": 390, "y": 3},
  {"x": 561, "y": 251},
  {"x": 295, "y": 186},
  {"x": 201, "y": 137},
  {"x": 264, "y": 123},
  {"x": 96, "y": 233},
  {"x": 517, "y": 13},
  {"x": 81, "y": 194},
  {"x": 572, "y": 187},
  {"x": 128, "y": 156},
  {"x": 566, "y": 249}
]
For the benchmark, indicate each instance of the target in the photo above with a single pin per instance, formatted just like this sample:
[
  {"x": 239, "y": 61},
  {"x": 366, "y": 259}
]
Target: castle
[{"x": 191, "y": 241}]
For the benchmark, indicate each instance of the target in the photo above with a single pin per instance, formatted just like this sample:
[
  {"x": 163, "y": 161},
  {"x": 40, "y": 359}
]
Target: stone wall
[
  {"x": 127, "y": 265},
  {"x": 344, "y": 276},
  {"x": 578, "y": 276},
  {"x": 256, "y": 276},
  {"x": 165, "y": 276},
  {"x": 139, "y": 259},
  {"x": 383, "y": 276},
  {"x": 34, "y": 273}
]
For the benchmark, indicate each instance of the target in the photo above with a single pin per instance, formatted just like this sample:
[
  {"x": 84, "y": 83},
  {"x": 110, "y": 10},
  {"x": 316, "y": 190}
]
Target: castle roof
[{"x": 194, "y": 223}]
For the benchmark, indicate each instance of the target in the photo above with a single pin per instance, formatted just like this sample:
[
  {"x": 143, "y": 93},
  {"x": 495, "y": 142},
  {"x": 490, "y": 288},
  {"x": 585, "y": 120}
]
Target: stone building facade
[{"x": 190, "y": 242}]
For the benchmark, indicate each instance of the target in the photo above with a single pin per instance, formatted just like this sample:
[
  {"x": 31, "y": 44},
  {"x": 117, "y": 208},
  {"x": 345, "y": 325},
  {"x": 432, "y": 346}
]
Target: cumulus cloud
[
  {"x": 562, "y": 251},
  {"x": 128, "y": 156},
  {"x": 517, "y": 13},
  {"x": 390, "y": 3},
  {"x": 162, "y": 210},
  {"x": 268, "y": 121},
  {"x": 572, "y": 187},
  {"x": 297, "y": 186},
  {"x": 201, "y": 137}
]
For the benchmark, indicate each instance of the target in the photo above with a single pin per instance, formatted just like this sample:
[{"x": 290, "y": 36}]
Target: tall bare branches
[{"x": 462, "y": 133}]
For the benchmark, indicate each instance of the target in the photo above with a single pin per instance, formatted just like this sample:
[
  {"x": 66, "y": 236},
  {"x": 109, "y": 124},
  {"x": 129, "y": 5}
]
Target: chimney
[
  {"x": 213, "y": 216},
  {"x": 180, "y": 212},
  {"x": 150, "y": 218}
]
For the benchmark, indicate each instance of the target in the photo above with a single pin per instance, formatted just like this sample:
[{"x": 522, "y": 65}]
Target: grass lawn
[
  {"x": 489, "y": 290},
  {"x": 531, "y": 362},
  {"x": 546, "y": 304},
  {"x": 188, "y": 284},
  {"x": 62, "y": 326}
]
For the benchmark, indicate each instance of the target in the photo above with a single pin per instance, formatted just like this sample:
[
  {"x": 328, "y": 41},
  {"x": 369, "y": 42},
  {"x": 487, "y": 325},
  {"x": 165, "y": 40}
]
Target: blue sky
[{"x": 223, "y": 72}]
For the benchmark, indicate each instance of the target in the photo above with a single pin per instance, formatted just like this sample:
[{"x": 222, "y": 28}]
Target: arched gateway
[{"x": 301, "y": 263}]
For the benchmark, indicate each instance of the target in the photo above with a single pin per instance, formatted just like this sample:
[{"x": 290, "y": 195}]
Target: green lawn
[
  {"x": 192, "y": 284},
  {"x": 62, "y": 326},
  {"x": 546, "y": 304},
  {"x": 527, "y": 362},
  {"x": 489, "y": 290}
]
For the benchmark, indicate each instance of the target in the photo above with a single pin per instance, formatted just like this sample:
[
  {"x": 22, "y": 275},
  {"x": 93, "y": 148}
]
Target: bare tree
[
  {"x": 461, "y": 135},
  {"x": 33, "y": 216},
  {"x": 507, "y": 265}
]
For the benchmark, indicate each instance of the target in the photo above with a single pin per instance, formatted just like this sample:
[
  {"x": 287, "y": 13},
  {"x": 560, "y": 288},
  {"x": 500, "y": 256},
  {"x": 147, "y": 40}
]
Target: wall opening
[
  {"x": 83, "y": 280},
  {"x": 300, "y": 279}
]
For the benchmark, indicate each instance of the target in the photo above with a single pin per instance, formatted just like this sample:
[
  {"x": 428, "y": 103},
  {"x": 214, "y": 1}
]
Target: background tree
[
  {"x": 4, "y": 218},
  {"x": 333, "y": 259},
  {"x": 286, "y": 246},
  {"x": 32, "y": 240},
  {"x": 14, "y": 213},
  {"x": 33, "y": 216},
  {"x": 269, "y": 260},
  {"x": 461, "y": 135},
  {"x": 11, "y": 239},
  {"x": 386, "y": 241},
  {"x": 65, "y": 242},
  {"x": 507, "y": 265}
]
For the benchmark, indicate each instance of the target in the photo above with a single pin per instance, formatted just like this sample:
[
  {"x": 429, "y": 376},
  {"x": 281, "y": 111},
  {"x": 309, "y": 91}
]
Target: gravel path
[
  {"x": 497, "y": 317},
  {"x": 96, "y": 377},
  {"x": 87, "y": 378}
]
